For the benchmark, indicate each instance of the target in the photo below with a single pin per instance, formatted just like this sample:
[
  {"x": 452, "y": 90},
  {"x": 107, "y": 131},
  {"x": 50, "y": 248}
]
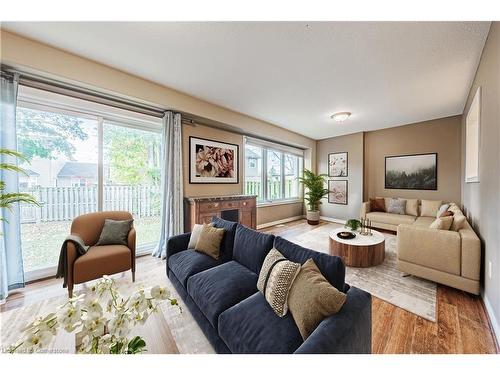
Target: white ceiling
[{"x": 292, "y": 74}]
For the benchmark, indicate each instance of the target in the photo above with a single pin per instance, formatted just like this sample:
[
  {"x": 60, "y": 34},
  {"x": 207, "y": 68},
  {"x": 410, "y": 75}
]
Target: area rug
[{"x": 410, "y": 293}]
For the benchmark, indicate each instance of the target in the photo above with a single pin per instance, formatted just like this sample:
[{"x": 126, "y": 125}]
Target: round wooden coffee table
[{"x": 361, "y": 251}]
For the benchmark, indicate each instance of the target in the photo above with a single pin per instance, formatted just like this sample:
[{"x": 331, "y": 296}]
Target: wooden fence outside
[
  {"x": 65, "y": 203},
  {"x": 273, "y": 189}
]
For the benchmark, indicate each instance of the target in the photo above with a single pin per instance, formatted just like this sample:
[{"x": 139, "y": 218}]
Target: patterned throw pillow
[
  {"x": 275, "y": 280},
  {"x": 397, "y": 206}
]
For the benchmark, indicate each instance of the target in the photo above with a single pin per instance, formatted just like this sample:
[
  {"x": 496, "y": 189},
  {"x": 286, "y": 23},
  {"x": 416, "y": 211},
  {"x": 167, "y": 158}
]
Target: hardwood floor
[{"x": 462, "y": 323}]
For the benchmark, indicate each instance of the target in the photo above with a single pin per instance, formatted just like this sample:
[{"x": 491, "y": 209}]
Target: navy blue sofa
[{"x": 222, "y": 296}]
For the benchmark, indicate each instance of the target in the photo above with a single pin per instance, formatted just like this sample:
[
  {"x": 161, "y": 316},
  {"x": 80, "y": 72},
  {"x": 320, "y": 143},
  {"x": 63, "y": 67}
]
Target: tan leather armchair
[{"x": 99, "y": 260}]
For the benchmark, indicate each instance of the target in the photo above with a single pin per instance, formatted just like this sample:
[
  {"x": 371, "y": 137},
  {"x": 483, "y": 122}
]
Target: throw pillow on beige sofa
[
  {"x": 412, "y": 207},
  {"x": 443, "y": 223},
  {"x": 459, "y": 220},
  {"x": 430, "y": 208}
]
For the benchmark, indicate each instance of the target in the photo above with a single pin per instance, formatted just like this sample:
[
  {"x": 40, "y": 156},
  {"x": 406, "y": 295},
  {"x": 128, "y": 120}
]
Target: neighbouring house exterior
[
  {"x": 251, "y": 163},
  {"x": 74, "y": 174},
  {"x": 28, "y": 180}
]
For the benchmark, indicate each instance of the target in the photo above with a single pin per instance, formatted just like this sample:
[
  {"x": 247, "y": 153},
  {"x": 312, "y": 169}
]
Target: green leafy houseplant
[
  {"x": 354, "y": 224},
  {"x": 315, "y": 185},
  {"x": 8, "y": 199}
]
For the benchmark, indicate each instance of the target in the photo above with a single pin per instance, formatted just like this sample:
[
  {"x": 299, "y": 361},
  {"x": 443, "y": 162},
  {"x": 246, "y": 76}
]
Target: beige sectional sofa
[{"x": 448, "y": 257}]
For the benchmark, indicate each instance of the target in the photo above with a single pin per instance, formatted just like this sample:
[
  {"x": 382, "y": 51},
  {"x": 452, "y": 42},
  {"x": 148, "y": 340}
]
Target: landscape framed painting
[
  {"x": 338, "y": 164},
  {"x": 212, "y": 162},
  {"x": 415, "y": 172},
  {"x": 337, "y": 192}
]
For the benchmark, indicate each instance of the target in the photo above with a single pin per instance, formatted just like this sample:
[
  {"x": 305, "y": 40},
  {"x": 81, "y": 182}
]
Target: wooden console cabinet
[{"x": 238, "y": 208}]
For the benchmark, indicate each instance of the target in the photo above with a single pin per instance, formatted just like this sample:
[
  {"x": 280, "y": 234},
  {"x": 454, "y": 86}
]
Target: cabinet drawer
[
  {"x": 230, "y": 204},
  {"x": 210, "y": 206}
]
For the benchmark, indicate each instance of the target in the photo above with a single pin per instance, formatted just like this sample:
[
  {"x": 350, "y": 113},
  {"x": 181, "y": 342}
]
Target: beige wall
[
  {"x": 353, "y": 145},
  {"x": 481, "y": 200},
  {"x": 51, "y": 62},
  {"x": 274, "y": 213},
  {"x": 441, "y": 135}
]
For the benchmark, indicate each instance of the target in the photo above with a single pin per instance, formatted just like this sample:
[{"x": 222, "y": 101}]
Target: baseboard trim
[
  {"x": 277, "y": 222},
  {"x": 493, "y": 319},
  {"x": 332, "y": 220}
]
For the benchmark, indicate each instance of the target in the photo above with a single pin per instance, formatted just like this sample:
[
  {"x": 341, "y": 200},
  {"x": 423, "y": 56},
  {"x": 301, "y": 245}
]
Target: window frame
[
  {"x": 264, "y": 176},
  {"x": 101, "y": 114}
]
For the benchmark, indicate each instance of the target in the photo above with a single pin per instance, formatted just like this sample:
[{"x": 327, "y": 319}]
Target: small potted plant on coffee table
[{"x": 353, "y": 224}]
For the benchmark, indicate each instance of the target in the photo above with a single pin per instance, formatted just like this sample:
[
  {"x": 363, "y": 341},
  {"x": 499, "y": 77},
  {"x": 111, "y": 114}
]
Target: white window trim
[
  {"x": 265, "y": 146},
  {"x": 279, "y": 202}
]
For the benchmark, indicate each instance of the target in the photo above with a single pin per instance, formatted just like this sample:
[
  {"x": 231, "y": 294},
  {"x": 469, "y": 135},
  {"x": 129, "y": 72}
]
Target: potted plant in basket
[{"x": 315, "y": 185}]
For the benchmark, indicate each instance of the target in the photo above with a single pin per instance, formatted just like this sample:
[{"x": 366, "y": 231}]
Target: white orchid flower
[
  {"x": 160, "y": 293},
  {"x": 70, "y": 315},
  {"x": 138, "y": 302},
  {"x": 94, "y": 309},
  {"x": 119, "y": 326},
  {"x": 95, "y": 325},
  {"x": 36, "y": 341}
]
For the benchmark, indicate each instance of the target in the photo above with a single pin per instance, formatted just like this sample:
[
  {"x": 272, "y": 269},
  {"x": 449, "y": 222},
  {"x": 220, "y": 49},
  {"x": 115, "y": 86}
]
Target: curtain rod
[
  {"x": 59, "y": 87},
  {"x": 39, "y": 82}
]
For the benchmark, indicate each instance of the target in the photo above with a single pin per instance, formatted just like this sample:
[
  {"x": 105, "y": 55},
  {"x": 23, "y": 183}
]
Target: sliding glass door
[
  {"x": 80, "y": 162},
  {"x": 131, "y": 171},
  {"x": 61, "y": 173}
]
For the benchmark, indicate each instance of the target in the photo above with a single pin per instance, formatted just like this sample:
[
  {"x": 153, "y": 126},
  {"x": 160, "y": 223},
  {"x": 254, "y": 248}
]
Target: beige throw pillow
[
  {"x": 412, "y": 207},
  {"x": 195, "y": 234},
  {"x": 275, "y": 280},
  {"x": 455, "y": 209},
  {"x": 459, "y": 220},
  {"x": 430, "y": 208},
  {"x": 312, "y": 298},
  {"x": 209, "y": 241},
  {"x": 443, "y": 223}
]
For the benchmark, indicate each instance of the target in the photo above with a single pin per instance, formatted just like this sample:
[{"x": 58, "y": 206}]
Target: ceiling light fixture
[{"x": 340, "y": 116}]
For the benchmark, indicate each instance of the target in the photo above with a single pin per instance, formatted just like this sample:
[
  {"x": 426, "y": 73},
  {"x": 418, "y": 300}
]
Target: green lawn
[{"x": 41, "y": 242}]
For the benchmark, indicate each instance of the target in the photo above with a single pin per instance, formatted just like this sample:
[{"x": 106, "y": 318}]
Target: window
[
  {"x": 253, "y": 173},
  {"x": 132, "y": 178},
  {"x": 272, "y": 171},
  {"x": 292, "y": 164},
  {"x": 66, "y": 141}
]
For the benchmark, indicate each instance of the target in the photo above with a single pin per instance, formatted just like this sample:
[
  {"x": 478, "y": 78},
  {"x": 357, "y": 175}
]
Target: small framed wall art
[
  {"x": 337, "y": 164},
  {"x": 337, "y": 192}
]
